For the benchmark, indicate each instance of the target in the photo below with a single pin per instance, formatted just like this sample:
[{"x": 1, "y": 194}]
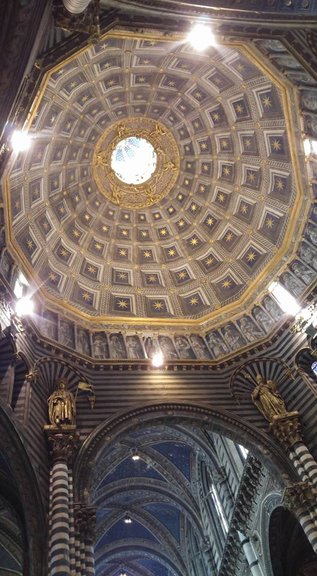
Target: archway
[
  {"x": 164, "y": 480},
  {"x": 291, "y": 553},
  {"x": 22, "y": 522}
]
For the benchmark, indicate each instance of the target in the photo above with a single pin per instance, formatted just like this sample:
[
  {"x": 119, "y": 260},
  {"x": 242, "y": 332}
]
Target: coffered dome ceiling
[{"x": 206, "y": 233}]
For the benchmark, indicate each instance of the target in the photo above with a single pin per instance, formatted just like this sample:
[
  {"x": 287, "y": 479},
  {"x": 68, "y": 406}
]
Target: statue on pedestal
[
  {"x": 61, "y": 406},
  {"x": 267, "y": 400}
]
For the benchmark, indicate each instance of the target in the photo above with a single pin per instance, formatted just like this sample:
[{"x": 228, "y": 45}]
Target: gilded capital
[
  {"x": 287, "y": 429},
  {"x": 63, "y": 444}
]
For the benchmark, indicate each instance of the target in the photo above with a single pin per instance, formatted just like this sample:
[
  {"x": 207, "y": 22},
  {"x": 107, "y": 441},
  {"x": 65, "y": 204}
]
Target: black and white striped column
[
  {"x": 300, "y": 499},
  {"x": 62, "y": 443},
  {"x": 72, "y": 550},
  {"x": 309, "y": 527},
  {"x": 59, "y": 537},
  {"x": 306, "y": 460},
  {"x": 87, "y": 516}
]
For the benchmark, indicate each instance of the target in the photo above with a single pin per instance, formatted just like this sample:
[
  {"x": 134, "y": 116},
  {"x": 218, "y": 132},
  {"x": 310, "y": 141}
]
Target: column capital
[
  {"x": 63, "y": 442},
  {"x": 299, "y": 496},
  {"x": 287, "y": 429}
]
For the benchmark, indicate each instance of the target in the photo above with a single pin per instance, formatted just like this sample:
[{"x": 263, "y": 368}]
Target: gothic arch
[
  {"x": 27, "y": 499},
  {"x": 217, "y": 420}
]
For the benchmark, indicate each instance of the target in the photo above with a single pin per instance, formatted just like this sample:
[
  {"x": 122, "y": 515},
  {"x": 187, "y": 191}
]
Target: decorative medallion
[{"x": 136, "y": 162}]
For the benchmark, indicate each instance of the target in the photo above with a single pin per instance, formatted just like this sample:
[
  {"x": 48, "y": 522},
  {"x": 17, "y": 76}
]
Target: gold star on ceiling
[
  {"x": 122, "y": 252},
  {"x": 158, "y": 305},
  {"x": 202, "y": 188},
  {"x": 124, "y": 232},
  {"x": 216, "y": 116},
  {"x": 251, "y": 177},
  {"x": 226, "y": 170},
  {"x": 181, "y": 223},
  {"x": 251, "y": 256},
  {"x": 247, "y": 143},
  {"x": 193, "y": 301},
  {"x": 279, "y": 184},
  {"x": 239, "y": 108},
  {"x": 163, "y": 232},
  {"x": 105, "y": 228},
  {"x": 182, "y": 275},
  {"x": 266, "y": 102},
  {"x": 193, "y": 207},
  {"x": 226, "y": 283},
  {"x": 152, "y": 278},
  {"x": 224, "y": 144},
  {"x": 63, "y": 252},
  {"x": 144, "y": 233},
  {"x": 209, "y": 261},
  {"x": 123, "y": 304},
  {"x": 86, "y": 296},
  {"x": 229, "y": 237},
  {"x": 98, "y": 246},
  {"x": 269, "y": 223},
  {"x": 171, "y": 252},
  {"x": 276, "y": 145},
  {"x": 147, "y": 254},
  {"x": 209, "y": 221},
  {"x": 92, "y": 269},
  {"x": 203, "y": 145},
  {"x": 123, "y": 275},
  {"x": 52, "y": 277},
  {"x": 194, "y": 241},
  {"x": 221, "y": 197},
  {"x": 244, "y": 208},
  {"x": 76, "y": 233}
]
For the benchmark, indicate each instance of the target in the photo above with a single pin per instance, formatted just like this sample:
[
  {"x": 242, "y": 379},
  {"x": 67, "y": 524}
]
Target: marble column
[
  {"x": 85, "y": 529},
  {"x": 63, "y": 443},
  {"x": 251, "y": 558},
  {"x": 300, "y": 498}
]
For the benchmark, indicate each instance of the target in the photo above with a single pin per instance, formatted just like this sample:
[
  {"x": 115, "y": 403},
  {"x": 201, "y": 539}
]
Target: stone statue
[
  {"x": 61, "y": 405},
  {"x": 267, "y": 399}
]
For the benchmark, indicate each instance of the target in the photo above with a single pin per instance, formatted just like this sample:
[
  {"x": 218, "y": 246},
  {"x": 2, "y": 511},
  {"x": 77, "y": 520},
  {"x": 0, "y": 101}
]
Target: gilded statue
[
  {"x": 61, "y": 405},
  {"x": 267, "y": 400}
]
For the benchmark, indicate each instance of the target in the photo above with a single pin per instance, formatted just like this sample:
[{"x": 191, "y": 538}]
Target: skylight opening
[{"x": 134, "y": 160}]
